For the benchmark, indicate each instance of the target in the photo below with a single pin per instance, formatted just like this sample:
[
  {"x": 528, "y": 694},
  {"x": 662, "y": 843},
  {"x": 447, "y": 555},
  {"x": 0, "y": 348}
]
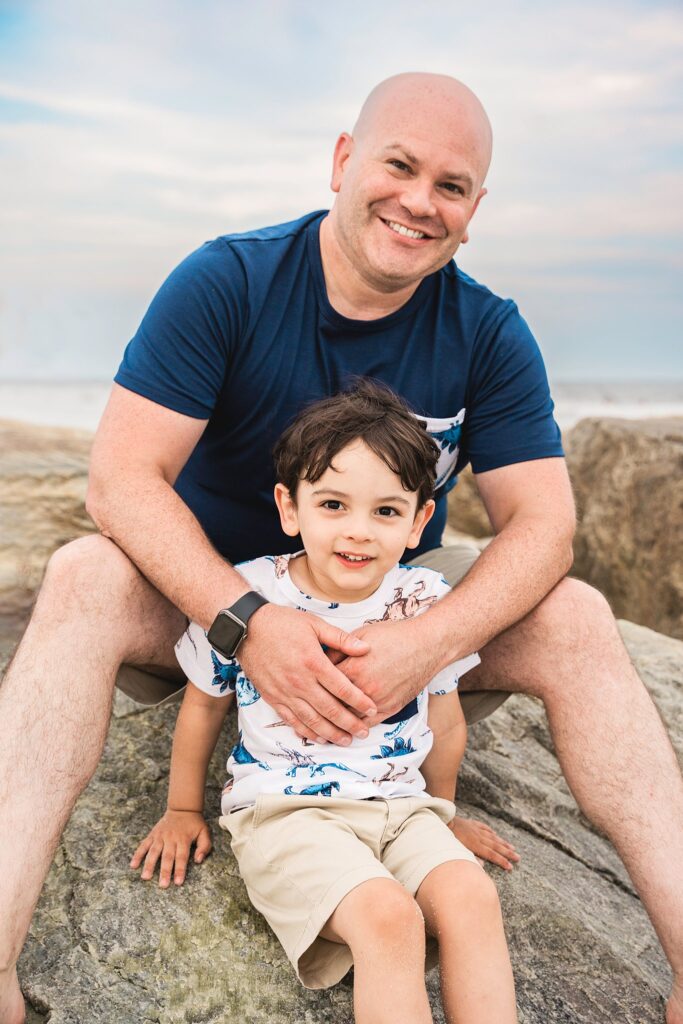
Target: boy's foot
[{"x": 12, "y": 1006}]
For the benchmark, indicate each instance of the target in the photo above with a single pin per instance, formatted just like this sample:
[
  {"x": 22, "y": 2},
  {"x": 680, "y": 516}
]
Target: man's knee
[
  {"x": 572, "y": 611},
  {"x": 88, "y": 572}
]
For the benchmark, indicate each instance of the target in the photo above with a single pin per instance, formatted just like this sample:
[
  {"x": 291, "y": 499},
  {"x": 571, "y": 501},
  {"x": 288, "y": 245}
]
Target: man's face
[
  {"x": 355, "y": 522},
  {"x": 404, "y": 201}
]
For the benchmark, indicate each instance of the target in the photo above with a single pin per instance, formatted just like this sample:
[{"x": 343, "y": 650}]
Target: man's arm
[
  {"x": 139, "y": 450},
  {"x": 531, "y": 508}
]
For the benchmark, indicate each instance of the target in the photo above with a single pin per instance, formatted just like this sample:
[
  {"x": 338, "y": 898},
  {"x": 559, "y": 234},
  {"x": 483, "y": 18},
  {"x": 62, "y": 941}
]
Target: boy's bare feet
[
  {"x": 487, "y": 844},
  {"x": 12, "y": 1006}
]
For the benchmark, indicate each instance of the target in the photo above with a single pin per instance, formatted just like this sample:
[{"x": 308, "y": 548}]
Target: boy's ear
[
  {"x": 289, "y": 520},
  {"x": 422, "y": 517}
]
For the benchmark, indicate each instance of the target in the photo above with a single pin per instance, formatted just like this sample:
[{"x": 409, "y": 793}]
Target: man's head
[
  {"x": 356, "y": 475},
  {"x": 416, "y": 161}
]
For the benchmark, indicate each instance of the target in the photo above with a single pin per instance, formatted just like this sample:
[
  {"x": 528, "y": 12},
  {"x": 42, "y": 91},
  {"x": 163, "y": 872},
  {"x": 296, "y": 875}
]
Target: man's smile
[{"x": 404, "y": 231}]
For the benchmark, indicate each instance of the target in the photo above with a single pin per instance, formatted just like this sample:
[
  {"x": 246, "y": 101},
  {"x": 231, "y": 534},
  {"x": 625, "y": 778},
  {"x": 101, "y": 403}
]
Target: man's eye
[
  {"x": 450, "y": 186},
  {"x": 399, "y": 165},
  {"x": 387, "y": 511},
  {"x": 332, "y": 504}
]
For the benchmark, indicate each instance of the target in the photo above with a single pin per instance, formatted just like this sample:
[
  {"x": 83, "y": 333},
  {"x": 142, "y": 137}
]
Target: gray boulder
[{"x": 105, "y": 946}]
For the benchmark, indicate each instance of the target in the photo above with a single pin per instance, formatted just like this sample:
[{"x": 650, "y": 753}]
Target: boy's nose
[{"x": 359, "y": 529}]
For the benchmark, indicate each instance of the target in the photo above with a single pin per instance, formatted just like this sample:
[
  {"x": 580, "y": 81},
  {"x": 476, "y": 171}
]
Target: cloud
[{"x": 121, "y": 149}]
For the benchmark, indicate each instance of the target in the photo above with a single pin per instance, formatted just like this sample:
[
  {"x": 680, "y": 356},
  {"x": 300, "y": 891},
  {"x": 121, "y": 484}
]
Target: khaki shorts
[
  {"x": 454, "y": 562},
  {"x": 300, "y": 856}
]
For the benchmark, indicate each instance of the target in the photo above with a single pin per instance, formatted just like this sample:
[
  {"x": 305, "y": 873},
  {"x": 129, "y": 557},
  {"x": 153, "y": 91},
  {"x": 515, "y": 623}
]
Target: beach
[{"x": 80, "y": 403}]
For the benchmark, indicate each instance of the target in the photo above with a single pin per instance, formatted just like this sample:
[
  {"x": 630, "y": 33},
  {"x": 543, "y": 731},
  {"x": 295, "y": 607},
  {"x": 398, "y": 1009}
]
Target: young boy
[{"x": 347, "y": 851}]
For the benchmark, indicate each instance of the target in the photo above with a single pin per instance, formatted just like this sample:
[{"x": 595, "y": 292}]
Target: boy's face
[{"x": 355, "y": 522}]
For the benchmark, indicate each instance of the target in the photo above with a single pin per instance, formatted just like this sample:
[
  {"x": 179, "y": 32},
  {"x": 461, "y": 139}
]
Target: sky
[{"x": 132, "y": 132}]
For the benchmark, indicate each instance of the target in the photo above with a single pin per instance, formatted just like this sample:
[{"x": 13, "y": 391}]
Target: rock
[
  {"x": 43, "y": 479},
  {"x": 104, "y": 946},
  {"x": 466, "y": 512},
  {"x": 628, "y": 480}
]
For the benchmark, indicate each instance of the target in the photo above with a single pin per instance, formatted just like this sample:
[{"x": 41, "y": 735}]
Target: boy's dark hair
[{"x": 371, "y": 412}]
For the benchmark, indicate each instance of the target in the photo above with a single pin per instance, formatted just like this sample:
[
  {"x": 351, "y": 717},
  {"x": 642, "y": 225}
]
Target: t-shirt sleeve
[
  {"x": 509, "y": 408},
  {"x": 209, "y": 672},
  {"x": 181, "y": 352}
]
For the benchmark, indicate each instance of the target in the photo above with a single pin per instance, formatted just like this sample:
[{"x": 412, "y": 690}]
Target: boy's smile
[{"x": 355, "y": 522}]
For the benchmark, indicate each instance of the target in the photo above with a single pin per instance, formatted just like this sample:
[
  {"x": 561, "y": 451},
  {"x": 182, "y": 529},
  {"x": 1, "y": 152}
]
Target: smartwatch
[{"x": 229, "y": 628}]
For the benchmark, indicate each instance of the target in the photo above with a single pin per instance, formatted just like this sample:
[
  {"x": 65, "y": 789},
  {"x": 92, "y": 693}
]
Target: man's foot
[
  {"x": 12, "y": 1006},
  {"x": 674, "y": 1008}
]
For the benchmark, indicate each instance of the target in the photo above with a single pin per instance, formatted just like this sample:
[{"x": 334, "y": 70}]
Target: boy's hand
[
  {"x": 171, "y": 839},
  {"x": 484, "y": 842}
]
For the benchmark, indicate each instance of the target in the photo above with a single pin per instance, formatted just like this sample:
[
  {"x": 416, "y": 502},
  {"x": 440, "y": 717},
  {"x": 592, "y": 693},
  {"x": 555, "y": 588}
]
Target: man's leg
[
  {"x": 94, "y": 611},
  {"x": 610, "y": 742}
]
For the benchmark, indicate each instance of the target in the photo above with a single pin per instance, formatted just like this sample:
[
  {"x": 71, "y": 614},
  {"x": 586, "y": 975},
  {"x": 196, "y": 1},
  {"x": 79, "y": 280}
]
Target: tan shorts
[
  {"x": 453, "y": 562},
  {"x": 300, "y": 856}
]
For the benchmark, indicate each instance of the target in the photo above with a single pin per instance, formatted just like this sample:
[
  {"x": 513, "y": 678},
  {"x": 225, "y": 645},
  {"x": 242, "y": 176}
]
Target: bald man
[{"x": 241, "y": 335}]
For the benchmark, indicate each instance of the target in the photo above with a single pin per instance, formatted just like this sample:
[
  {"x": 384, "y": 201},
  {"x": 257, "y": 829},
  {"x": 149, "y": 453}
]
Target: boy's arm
[
  {"x": 447, "y": 722},
  {"x": 440, "y": 769},
  {"x": 197, "y": 729}
]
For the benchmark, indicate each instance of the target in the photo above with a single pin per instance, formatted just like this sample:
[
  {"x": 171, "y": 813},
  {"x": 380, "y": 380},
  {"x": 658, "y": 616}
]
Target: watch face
[{"x": 225, "y": 634}]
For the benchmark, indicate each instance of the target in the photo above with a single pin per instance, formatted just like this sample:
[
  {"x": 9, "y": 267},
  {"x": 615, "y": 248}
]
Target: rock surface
[
  {"x": 628, "y": 481},
  {"x": 43, "y": 479},
  {"x": 104, "y": 946}
]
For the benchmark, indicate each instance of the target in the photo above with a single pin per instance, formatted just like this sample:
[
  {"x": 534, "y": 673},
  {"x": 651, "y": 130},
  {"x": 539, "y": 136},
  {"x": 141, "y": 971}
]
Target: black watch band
[{"x": 229, "y": 628}]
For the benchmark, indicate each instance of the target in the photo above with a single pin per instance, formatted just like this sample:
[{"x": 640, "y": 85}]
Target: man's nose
[{"x": 418, "y": 199}]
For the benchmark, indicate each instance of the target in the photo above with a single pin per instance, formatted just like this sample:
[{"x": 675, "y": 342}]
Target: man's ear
[
  {"x": 466, "y": 237},
  {"x": 422, "y": 517},
  {"x": 342, "y": 152},
  {"x": 286, "y": 506}
]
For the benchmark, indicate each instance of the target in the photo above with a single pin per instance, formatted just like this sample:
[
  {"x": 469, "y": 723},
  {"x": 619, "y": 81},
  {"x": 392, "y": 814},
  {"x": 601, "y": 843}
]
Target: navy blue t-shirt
[{"x": 242, "y": 334}]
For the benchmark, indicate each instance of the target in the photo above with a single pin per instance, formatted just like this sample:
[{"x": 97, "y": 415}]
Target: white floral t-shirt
[{"x": 269, "y": 757}]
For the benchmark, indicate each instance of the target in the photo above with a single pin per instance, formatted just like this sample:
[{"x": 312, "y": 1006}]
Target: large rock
[
  {"x": 628, "y": 481},
  {"x": 466, "y": 512},
  {"x": 43, "y": 479},
  {"x": 106, "y": 947}
]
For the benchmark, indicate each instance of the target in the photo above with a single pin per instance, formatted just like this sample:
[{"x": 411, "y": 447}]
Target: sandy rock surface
[
  {"x": 43, "y": 480},
  {"x": 104, "y": 946},
  {"x": 628, "y": 481}
]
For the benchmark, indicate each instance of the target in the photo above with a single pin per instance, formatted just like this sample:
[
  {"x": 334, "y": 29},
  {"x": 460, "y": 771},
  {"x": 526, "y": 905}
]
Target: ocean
[{"x": 80, "y": 403}]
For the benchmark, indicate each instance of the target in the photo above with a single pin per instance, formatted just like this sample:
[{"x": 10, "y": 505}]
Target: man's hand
[
  {"x": 171, "y": 839},
  {"x": 484, "y": 842},
  {"x": 401, "y": 660},
  {"x": 283, "y": 656}
]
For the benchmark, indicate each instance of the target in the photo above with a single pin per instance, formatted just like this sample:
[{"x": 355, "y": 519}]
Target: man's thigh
[{"x": 454, "y": 562}]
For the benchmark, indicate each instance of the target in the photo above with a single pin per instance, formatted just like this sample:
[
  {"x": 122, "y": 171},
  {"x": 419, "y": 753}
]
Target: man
[{"x": 408, "y": 182}]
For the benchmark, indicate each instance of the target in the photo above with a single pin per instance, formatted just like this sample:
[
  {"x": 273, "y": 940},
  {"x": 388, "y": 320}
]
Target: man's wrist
[{"x": 230, "y": 627}]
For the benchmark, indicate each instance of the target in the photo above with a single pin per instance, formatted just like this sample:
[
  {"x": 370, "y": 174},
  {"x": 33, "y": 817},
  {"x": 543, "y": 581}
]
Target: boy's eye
[
  {"x": 387, "y": 511},
  {"x": 332, "y": 504}
]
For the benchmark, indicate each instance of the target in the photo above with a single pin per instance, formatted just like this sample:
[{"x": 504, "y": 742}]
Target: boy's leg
[
  {"x": 610, "y": 741},
  {"x": 461, "y": 909},
  {"x": 383, "y": 926},
  {"x": 94, "y": 611}
]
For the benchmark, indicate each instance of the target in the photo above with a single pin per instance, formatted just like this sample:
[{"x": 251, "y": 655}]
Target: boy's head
[{"x": 355, "y": 477}]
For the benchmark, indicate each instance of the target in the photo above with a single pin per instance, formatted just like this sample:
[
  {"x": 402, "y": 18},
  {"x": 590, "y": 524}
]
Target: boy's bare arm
[
  {"x": 197, "y": 729},
  {"x": 440, "y": 770},
  {"x": 447, "y": 722}
]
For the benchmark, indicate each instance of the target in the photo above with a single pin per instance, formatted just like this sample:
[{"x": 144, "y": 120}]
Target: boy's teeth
[
  {"x": 401, "y": 230},
  {"x": 354, "y": 558}
]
